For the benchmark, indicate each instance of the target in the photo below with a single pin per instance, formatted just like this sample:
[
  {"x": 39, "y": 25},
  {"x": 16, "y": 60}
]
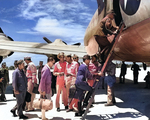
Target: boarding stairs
[{"x": 108, "y": 59}]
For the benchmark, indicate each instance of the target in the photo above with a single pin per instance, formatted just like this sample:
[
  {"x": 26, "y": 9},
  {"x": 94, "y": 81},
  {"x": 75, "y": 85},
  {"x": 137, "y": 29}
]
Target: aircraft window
[{"x": 130, "y": 7}]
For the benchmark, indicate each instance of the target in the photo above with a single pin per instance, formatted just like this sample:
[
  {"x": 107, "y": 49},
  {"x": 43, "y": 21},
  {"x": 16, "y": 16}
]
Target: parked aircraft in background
[{"x": 8, "y": 46}]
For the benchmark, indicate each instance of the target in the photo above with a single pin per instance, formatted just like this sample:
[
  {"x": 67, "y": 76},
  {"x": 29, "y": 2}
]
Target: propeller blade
[
  {"x": 47, "y": 40},
  {"x": 1, "y": 31},
  {"x": 77, "y": 44}
]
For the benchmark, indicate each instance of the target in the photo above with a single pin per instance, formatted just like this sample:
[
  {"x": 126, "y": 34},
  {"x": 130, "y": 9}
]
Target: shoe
[
  {"x": 14, "y": 113},
  {"x": 79, "y": 114},
  {"x": 91, "y": 106},
  {"x": 69, "y": 110},
  {"x": 109, "y": 104},
  {"x": 4, "y": 100},
  {"x": 66, "y": 107},
  {"x": 85, "y": 105},
  {"x": 58, "y": 109},
  {"x": 23, "y": 117}
]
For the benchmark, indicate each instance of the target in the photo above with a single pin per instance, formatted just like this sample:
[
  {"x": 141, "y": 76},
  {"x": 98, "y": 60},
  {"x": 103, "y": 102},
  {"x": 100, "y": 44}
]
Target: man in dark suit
[
  {"x": 82, "y": 85},
  {"x": 135, "y": 68},
  {"x": 20, "y": 87}
]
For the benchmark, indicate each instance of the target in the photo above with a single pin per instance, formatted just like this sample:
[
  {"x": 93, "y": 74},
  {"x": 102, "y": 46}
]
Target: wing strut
[{"x": 109, "y": 58}]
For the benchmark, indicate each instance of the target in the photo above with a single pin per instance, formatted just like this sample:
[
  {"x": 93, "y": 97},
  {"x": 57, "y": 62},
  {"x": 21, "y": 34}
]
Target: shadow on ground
[
  {"x": 59, "y": 118},
  {"x": 133, "y": 96},
  {"x": 113, "y": 116},
  {"x": 32, "y": 116}
]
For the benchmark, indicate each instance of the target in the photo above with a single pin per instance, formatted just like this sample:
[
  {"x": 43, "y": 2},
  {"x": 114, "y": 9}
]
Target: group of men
[
  {"x": 135, "y": 68},
  {"x": 23, "y": 80},
  {"x": 69, "y": 73}
]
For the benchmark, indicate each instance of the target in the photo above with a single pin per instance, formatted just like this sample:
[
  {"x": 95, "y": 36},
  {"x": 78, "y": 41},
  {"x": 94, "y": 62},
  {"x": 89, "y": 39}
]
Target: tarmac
[{"x": 132, "y": 103}]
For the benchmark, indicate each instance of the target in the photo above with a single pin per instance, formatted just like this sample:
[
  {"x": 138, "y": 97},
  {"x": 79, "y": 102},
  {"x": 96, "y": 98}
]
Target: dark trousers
[
  {"x": 122, "y": 78},
  {"x": 23, "y": 106},
  {"x": 20, "y": 101},
  {"x": 80, "y": 90},
  {"x": 147, "y": 84},
  {"x": 5, "y": 85},
  {"x": 2, "y": 92},
  {"x": 135, "y": 78}
]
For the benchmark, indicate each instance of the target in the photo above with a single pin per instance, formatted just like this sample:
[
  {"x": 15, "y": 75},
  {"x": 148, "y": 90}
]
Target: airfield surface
[{"x": 132, "y": 103}]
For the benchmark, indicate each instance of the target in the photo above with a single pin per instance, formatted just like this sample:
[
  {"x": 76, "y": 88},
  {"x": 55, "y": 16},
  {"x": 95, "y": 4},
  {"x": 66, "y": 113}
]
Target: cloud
[
  {"x": 31, "y": 9},
  {"x": 60, "y": 28},
  {"x": 7, "y": 21},
  {"x": 67, "y": 29},
  {"x": 58, "y": 18},
  {"x": 28, "y": 31}
]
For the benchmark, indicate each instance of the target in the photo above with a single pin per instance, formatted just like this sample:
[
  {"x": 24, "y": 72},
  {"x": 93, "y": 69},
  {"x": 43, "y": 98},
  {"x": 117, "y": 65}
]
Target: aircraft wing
[{"x": 41, "y": 48}]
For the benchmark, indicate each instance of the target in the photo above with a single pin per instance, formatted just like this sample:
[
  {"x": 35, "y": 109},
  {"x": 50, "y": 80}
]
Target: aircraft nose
[{"x": 92, "y": 47}]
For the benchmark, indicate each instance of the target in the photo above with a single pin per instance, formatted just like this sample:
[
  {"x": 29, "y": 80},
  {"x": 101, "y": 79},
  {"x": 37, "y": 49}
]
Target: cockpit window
[{"x": 130, "y": 7}]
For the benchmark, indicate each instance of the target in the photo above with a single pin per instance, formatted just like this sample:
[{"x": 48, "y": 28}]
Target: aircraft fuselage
[{"x": 134, "y": 41}]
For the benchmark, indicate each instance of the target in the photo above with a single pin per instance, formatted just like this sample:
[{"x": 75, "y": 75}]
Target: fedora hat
[
  {"x": 60, "y": 54},
  {"x": 75, "y": 56}
]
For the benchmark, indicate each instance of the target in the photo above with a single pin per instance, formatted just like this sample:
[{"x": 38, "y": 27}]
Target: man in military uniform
[
  {"x": 5, "y": 75},
  {"x": 2, "y": 97}
]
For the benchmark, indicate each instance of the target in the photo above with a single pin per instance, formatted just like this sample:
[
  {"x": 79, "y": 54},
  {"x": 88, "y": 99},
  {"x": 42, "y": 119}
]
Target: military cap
[{"x": 4, "y": 63}]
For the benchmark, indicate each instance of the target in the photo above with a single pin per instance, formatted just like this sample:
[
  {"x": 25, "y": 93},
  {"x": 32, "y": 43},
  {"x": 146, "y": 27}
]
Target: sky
[{"x": 31, "y": 20}]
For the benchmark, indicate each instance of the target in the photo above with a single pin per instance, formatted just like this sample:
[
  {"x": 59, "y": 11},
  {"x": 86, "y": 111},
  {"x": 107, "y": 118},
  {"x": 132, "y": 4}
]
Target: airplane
[
  {"x": 134, "y": 42},
  {"x": 8, "y": 46}
]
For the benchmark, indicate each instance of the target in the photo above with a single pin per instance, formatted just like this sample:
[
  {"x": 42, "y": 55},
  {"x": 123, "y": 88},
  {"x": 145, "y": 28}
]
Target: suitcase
[{"x": 40, "y": 103}]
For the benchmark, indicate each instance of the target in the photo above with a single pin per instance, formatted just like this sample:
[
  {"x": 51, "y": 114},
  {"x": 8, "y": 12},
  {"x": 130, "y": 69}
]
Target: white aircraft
[{"x": 8, "y": 46}]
